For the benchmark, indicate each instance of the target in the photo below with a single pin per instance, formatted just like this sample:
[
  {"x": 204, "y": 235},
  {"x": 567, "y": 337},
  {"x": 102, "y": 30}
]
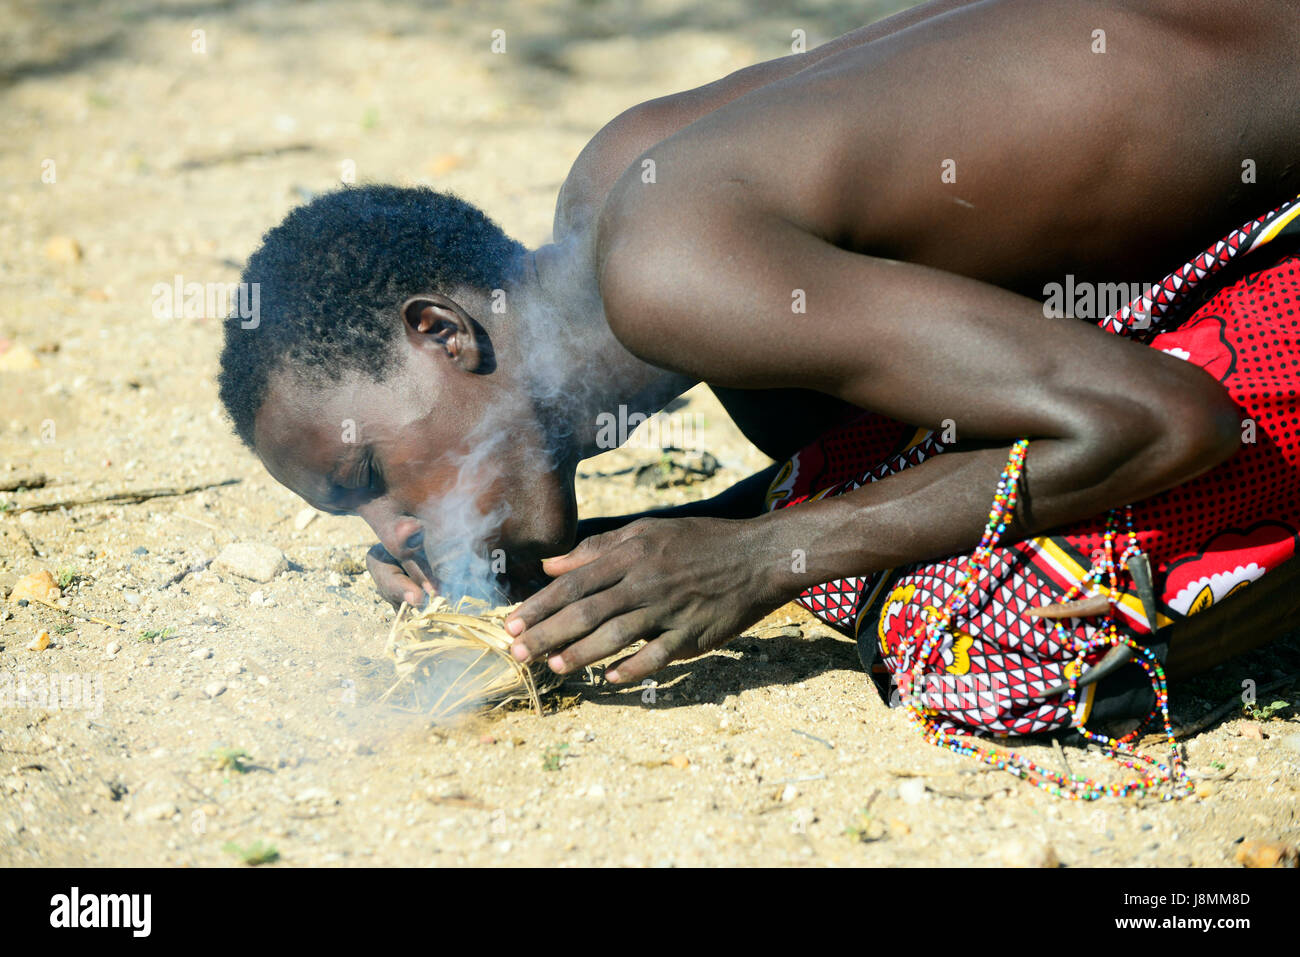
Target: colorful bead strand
[{"x": 930, "y": 632}]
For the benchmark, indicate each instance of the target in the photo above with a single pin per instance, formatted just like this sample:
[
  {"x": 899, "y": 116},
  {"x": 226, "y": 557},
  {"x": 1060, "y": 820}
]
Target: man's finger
[
  {"x": 416, "y": 573},
  {"x": 392, "y": 582},
  {"x": 579, "y": 603},
  {"x": 654, "y": 656},
  {"x": 609, "y": 639},
  {"x": 585, "y": 551},
  {"x": 563, "y": 591}
]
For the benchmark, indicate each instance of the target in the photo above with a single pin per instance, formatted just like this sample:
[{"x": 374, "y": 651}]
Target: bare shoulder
[
  {"x": 1042, "y": 112},
  {"x": 636, "y": 130}
]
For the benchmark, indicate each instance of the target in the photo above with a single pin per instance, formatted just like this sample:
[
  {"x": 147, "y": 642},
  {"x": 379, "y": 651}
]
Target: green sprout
[
  {"x": 554, "y": 757},
  {"x": 1269, "y": 710},
  {"x": 864, "y": 828},
  {"x": 253, "y": 855},
  {"x": 230, "y": 759}
]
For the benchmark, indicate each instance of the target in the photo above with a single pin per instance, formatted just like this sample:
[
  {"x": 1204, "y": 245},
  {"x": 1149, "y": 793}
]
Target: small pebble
[
  {"x": 63, "y": 249},
  {"x": 201, "y": 653},
  {"x": 215, "y": 688},
  {"x": 159, "y": 812},
  {"x": 38, "y": 586},
  {"x": 112, "y": 648},
  {"x": 912, "y": 791},
  {"x": 1266, "y": 854},
  {"x": 252, "y": 560},
  {"x": 1028, "y": 854},
  {"x": 40, "y": 642}
]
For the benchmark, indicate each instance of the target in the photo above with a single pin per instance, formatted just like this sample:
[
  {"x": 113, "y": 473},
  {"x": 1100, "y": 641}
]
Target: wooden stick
[
  {"x": 76, "y": 614},
  {"x": 123, "y": 498}
]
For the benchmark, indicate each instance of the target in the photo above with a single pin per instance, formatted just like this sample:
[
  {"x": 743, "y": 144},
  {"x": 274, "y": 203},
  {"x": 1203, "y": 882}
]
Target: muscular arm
[{"x": 1111, "y": 421}]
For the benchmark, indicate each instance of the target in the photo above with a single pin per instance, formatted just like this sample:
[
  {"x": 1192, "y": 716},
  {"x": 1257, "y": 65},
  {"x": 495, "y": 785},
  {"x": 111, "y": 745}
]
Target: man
[{"x": 845, "y": 245}]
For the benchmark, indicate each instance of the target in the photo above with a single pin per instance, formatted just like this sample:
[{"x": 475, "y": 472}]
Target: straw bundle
[{"x": 452, "y": 660}]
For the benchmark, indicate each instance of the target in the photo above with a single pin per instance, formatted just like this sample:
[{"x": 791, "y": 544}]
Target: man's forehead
[{"x": 296, "y": 436}]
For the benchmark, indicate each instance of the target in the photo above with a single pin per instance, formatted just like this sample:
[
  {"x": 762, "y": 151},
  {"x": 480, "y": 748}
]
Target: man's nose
[{"x": 401, "y": 535}]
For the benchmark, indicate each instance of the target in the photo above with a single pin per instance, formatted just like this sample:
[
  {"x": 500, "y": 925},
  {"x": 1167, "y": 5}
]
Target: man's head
[{"x": 369, "y": 385}]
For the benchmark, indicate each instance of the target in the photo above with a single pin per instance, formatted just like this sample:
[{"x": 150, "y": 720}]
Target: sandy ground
[{"x": 170, "y": 162}]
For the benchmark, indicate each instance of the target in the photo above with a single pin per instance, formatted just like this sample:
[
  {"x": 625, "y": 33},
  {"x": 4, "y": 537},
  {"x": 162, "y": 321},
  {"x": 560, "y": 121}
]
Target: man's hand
[
  {"x": 687, "y": 585},
  {"x": 396, "y": 581}
]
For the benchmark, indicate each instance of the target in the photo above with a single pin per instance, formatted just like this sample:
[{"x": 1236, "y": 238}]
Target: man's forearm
[{"x": 932, "y": 511}]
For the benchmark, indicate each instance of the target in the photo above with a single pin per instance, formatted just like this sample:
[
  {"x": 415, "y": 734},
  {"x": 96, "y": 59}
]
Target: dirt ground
[{"x": 131, "y": 158}]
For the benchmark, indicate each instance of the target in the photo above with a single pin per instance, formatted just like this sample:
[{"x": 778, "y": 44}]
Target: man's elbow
[
  {"x": 1158, "y": 441},
  {"x": 1188, "y": 432},
  {"x": 1204, "y": 429}
]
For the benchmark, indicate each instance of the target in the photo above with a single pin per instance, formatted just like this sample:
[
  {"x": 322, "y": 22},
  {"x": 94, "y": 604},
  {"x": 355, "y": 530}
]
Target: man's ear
[{"x": 439, "y": 321}]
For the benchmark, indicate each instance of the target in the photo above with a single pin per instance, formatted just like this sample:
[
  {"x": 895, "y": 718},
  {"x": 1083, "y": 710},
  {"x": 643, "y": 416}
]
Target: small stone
[
  {"x": 40, "y": 642},
  {"x": 789, "y": 793},
  {"x": 912, "y": 791},
  {"x": 234, "y": 668},
  {"x": 1252, "y": 730},
  {"x": 1205, "y": 789},
  {"x": 1266, "y": 854},
  {"x": 38, "y": 586},
  {"x": 214, "y": 688},
  {"x": 748, "y": 759},
  {"x": 159, "y": 812},
  {"x": 252, "y": 560},
  {"x": 1028, "y": 854},
  {"x": 112, "y": 648},
  {"x": 680, "y": 761},
  {"x": 63, "y": 250},
  {"x": 201, "y": 653},
  {"x": 16, "y": 357},
  {"x": 313, "y": 795},
  {"x": 304, "y": 518},
  {"x": 596, "y": 791}
]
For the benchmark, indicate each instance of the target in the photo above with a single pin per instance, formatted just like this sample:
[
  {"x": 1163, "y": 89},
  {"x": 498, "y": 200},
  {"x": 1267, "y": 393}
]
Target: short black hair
[{"x": 332, "y": 275}]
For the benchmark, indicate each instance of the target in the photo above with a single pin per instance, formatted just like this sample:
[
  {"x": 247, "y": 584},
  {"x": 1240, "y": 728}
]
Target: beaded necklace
[{"x": 931, "y": 630}]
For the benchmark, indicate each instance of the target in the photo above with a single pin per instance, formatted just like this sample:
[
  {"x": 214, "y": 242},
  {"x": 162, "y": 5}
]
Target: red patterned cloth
[{"x": 1206, "y": 539}]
